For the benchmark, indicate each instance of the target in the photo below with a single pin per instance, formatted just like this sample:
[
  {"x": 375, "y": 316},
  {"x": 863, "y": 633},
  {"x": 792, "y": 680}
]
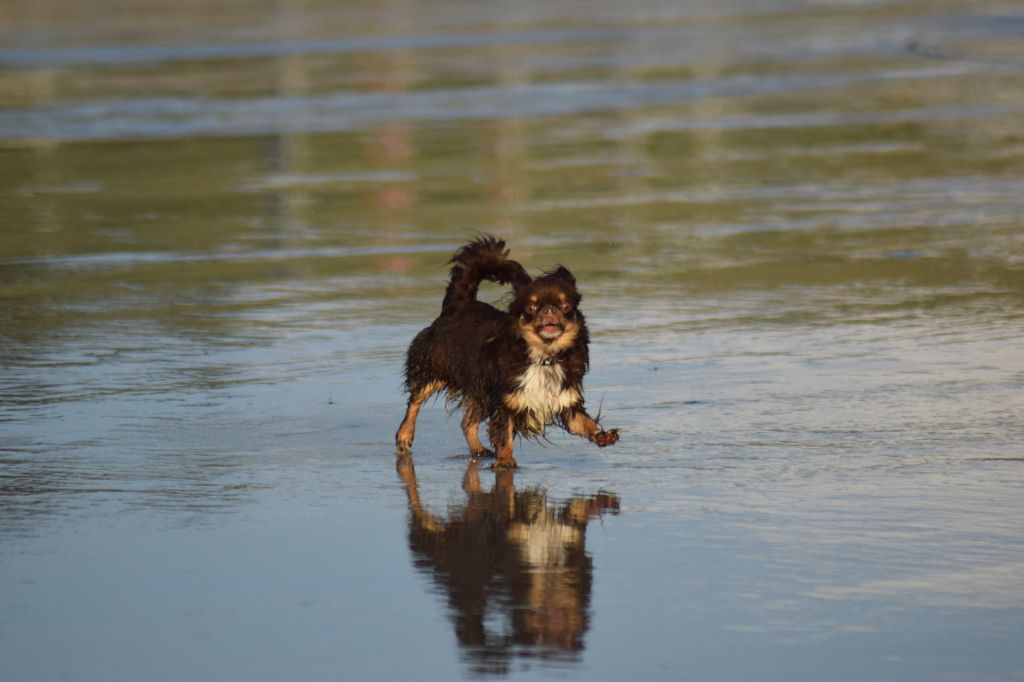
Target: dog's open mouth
[{"x": 550, "y": 331}]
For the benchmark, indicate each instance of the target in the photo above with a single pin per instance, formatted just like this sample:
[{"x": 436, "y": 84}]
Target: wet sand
[{"x": 796, "y": 227}]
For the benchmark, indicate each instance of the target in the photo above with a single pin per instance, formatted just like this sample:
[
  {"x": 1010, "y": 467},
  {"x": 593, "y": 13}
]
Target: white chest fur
[{"x": 540, "y": 395}]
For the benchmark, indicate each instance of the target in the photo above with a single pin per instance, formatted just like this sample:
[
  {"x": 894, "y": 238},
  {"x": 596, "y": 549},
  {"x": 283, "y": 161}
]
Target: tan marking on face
[{"x": 541, "y": 349}]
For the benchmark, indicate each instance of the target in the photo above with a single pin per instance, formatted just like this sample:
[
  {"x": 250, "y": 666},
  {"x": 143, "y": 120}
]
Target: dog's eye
[
  {"x": 566, "y": 306},
  {"x": 531, "y": 308}
]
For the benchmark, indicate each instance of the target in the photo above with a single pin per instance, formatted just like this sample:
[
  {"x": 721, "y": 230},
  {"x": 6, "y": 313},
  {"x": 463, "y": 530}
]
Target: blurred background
[{"x": 797, "y": 226}]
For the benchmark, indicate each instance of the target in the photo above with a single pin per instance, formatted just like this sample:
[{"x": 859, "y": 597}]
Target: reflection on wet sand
[{"x": 514, "y": 567}]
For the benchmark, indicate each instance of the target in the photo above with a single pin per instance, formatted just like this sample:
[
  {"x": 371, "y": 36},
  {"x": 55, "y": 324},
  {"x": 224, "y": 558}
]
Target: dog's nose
[{"x": 549, "y": 312}]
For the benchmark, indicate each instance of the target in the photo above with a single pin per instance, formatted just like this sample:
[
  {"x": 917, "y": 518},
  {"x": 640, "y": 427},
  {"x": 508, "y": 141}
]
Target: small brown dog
[{"x": 520, "y": 370}]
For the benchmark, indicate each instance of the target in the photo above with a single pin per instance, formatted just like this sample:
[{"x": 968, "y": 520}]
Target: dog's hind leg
[
  {"x": 407, "y": 431},
  {"x": 470, "y": 427}
]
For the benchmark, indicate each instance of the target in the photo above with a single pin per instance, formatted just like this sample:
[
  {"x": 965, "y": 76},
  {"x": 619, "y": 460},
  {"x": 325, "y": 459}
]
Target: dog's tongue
[{"x": 550, "y": 330}]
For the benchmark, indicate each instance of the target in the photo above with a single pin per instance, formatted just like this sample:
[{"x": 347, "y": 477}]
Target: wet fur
[{"x": 519, "y": 369}]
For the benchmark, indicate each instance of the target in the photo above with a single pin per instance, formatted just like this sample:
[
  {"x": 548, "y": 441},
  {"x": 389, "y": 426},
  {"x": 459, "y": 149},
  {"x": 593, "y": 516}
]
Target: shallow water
[{"x": 797, "y": 228}]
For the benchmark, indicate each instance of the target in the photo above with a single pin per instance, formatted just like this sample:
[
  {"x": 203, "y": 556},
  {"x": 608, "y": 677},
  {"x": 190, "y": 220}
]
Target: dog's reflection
[{"x": 513, "y": 566}]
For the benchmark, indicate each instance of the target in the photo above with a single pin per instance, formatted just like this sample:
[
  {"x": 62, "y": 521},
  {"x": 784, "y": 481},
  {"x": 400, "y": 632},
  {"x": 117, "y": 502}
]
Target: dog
[{"x": 520, "y": 370}]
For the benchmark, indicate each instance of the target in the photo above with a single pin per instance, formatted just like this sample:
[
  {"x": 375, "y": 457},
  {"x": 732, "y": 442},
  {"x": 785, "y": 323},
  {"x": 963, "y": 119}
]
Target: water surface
[{"x": 797, "y": 229}]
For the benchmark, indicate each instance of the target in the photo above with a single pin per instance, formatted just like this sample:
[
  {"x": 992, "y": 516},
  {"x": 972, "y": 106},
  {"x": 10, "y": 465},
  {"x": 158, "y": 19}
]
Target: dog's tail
[{"x": 482, "y": 259}]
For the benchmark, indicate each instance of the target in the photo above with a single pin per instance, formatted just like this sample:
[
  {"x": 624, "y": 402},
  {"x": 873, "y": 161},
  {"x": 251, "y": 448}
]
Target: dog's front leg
[
  {"x": 579, "y": 423},
  {"x": 501, "y": 432}
]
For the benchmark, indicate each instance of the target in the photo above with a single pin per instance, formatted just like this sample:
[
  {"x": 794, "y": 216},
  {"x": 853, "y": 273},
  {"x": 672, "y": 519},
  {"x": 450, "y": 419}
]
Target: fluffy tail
[{"x": 485, "y": 258}]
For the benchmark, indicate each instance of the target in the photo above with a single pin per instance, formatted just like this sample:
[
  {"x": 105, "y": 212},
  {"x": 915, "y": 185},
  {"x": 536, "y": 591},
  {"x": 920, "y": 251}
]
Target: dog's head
[{"x": 547, "y": 311}]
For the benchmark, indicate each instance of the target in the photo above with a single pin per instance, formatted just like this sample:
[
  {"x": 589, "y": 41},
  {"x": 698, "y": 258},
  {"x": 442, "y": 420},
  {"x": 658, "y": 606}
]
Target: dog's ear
[
  {"x": 561, "y": 272},
  {"x": 519, "y": 279}
]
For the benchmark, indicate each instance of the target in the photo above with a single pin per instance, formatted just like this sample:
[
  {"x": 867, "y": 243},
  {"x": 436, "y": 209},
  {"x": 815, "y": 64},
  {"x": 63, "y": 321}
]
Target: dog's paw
[
  {"x": 403, "y": 448},
  {"x": 504, "y": 463},
  {"x": 604, "y": 438},
  {"x": 480, "y": 454}
]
